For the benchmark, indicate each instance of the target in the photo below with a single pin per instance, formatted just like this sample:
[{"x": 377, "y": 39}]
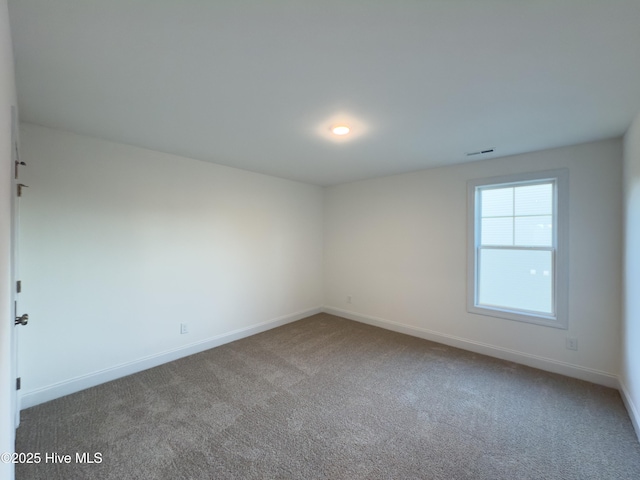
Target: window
[{"x": 518, "y": 247}]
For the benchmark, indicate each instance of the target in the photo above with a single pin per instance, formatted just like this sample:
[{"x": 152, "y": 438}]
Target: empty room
[{"x": 306, "y": 239}]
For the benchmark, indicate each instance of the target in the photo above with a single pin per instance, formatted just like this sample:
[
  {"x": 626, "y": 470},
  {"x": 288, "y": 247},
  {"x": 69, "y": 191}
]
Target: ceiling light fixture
[{"x": 340, "y": 129}]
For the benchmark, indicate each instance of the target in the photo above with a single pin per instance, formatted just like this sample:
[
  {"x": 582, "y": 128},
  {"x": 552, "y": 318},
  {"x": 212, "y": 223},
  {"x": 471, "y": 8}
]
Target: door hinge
[
  {"x": 20, "y": 187},
  {"x": 18, "y": 163},
  {"x": 18, "y": 383},
  {"x": 19, "y": 286}
]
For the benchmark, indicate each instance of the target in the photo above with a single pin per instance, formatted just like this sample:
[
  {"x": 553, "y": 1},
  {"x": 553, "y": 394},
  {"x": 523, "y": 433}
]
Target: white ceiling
[{"x": 256, "y": 84}]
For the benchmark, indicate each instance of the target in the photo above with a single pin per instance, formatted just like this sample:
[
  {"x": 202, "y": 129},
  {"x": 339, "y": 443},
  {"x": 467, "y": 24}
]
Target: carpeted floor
[{"x": 328, "y": 398}]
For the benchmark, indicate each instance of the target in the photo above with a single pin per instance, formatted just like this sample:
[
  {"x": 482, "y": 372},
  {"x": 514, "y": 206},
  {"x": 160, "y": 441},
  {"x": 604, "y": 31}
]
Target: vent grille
[{"x": 480, "y": 152}]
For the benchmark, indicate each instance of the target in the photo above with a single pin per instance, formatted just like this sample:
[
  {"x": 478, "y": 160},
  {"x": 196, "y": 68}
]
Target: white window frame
[{"x": 560, "y": 180}]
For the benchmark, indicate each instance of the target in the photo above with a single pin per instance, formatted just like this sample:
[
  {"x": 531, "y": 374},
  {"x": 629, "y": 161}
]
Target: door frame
[{"x": 15, "y": 159}]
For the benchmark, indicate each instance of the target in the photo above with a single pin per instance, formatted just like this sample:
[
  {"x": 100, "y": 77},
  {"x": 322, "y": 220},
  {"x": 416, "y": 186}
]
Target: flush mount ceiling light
[{"x": 340, "y": 129}]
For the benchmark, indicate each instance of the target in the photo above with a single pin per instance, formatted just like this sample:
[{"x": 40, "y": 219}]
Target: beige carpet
[{"x": 327, "y": 398}]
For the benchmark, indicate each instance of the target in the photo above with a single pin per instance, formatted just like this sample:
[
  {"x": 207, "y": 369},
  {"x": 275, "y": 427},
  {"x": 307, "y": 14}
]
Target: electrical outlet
[
  {"x": 184, "y": 328},
  {"x": 571, "y": 343},
  {"x": 348, "y": 298}
]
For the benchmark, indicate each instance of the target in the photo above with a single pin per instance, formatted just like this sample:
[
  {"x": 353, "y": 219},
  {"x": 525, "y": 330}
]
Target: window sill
[{"x": 533, "y": 318}]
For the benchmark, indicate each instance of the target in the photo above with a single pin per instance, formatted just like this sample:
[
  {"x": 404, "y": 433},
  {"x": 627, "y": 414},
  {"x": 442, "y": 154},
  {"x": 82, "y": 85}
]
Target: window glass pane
[
  {"x": 496, "y": 231},
  {"x": 534, "y": 199},
  {"x": 497, "y": 202},
  {"x": 516, "y": 279},
  {"x": 534, "y": 231}
]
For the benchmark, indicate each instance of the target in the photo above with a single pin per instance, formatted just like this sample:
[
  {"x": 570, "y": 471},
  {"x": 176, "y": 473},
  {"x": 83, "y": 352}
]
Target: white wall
[
  {"x": 397, "y": 245},
  {"x": 119, "y": 245},
  {"x": 7, "y": 374},
  {"x": 630, "y": 370}
]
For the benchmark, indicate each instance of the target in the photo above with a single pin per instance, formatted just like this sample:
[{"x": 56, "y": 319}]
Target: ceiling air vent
[{"x": 481, "y": 152}]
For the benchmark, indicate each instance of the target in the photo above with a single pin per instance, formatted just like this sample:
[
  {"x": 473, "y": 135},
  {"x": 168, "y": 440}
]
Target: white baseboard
[
  {"x": 60, "y": 389},
  {"x": 547, "y": 364},
  {"x": 634, "y": 414}
]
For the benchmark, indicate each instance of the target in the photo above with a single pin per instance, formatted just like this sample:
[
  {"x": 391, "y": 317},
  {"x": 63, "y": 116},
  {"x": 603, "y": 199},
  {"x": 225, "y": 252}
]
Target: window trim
[{"x": 560, "y": 177}]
